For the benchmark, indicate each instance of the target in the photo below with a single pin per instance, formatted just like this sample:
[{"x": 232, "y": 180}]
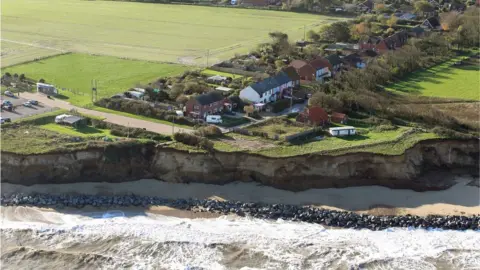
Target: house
[
  {"x": 397, "y": 40},
  {"x": 416, "y": 31},
  {"x": 71, "y": 120},
  {"x": 407, "y": 16},
  {"x": 322, "y": 68},
  {"x": 431, "y": 23},
  {"x": 341, "y": 47},
  {"x": 340, "y": 118},
  {"x": 336, "y": 63},
  {"x": 376, "y": 44},
  {"x": 202, "y": 105},
  {"x": 224, "y": 89},
  {"x": 293, "y": 75},
  {"x": 261, "y": 92},
  {"x": 354, "y": 60},
  {"x": 313, "y": 116},
  {"x": 341, "y": 131},
  {"x": 305, "y": 70},
  {"x": 284, "y": 82}
]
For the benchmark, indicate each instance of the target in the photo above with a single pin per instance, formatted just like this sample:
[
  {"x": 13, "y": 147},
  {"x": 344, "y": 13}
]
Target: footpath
[{"x": 108, "y": 117}]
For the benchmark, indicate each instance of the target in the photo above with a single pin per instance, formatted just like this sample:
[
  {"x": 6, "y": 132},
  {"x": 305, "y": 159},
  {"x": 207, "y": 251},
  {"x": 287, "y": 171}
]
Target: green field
[
  {"x": 157, "y": 32},
  {"x": 76, "y": 71},
  {"x": 443, "y": 81},
  {"x": 15, "y": 53}
]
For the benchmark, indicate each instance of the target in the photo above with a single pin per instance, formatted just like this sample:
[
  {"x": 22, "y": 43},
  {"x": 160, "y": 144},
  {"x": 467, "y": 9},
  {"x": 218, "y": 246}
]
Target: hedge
[
  {"x": 142, "y": 108},
  {"x": 122, "y": 131}
]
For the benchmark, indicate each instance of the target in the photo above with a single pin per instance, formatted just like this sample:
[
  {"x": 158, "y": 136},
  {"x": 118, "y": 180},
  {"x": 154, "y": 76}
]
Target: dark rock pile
[{"x": 257, "y": 210}]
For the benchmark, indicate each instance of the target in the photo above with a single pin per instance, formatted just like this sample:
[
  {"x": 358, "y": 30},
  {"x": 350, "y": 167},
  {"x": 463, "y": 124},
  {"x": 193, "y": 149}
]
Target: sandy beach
[{"x": 461, "y": 199}]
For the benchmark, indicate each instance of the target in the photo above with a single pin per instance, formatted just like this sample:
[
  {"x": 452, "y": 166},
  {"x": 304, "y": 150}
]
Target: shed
[
  {"x": 342, "y": 131},
  {"x": 73, "y": 120},
  {"x": 216, "y": 79},
  {"x": 224, "y": 89},
  {"x": 339, "y": 118}
]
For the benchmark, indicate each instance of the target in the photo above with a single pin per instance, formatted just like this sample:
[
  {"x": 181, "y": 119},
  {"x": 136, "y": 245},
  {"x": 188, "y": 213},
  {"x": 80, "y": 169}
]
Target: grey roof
[
  {"x": 291, "y": 73},
  {"x": 209, "y": 98},
  {"x": 282, "y": 78},
  {"x": 334, "y": 59},
  {"x": 72, "y": 119},
  {"x": 265, "y": 85}
]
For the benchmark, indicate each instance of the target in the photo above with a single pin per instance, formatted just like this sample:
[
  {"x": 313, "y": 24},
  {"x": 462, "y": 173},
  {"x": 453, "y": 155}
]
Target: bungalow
[
  {"x": 376, "y": 44},
  {"x": 397, "y": 40},
  {"x": 293, "y": 75},
  {"x": 336, "y": 63},
  {"x": 322, "y": 67},
  {"x": 342, "y": 131},
  {"x": 261, "y": 92},
  {"x": 313, "y": 116},
  {"x": 305, "y": 70},
  {"x": 202, "y": 105},
  {"x": 431, "y": 23},
  {"x": 339, "y": 118},
  {"x": 366, "y": 6},
  {"x": 354, "y": 60}
]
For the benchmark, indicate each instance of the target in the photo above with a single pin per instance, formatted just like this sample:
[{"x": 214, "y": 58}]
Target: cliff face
[{"x": 416, "y": 169}]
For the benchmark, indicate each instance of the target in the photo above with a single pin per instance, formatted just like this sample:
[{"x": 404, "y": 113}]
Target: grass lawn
[
  {"x": 210, "y": 72},
  {"x": 76, "y": 71},
  {"x": 233, "y": 121},
  {"x": 332, "y": 143},
  {"x": 14, "y": 53},
  {"x": 443, "y": 81},
  {"x": 86, "y": 131},
  {"x": 283, "y": 129},
  {"x": 148, "y": 31}
]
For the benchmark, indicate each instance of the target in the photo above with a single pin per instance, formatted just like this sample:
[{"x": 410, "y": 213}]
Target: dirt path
[{"x": 111, "y": 118}]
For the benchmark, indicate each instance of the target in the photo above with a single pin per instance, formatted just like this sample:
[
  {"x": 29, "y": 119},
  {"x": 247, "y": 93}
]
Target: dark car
[{"x": 33, "y": 102}]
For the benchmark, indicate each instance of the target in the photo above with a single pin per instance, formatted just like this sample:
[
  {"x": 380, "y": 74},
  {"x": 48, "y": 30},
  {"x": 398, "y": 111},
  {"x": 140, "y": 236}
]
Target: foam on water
[{"x": 228, "y": 243}]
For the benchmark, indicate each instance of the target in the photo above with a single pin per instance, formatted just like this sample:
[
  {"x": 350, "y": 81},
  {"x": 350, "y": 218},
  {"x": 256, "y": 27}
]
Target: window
[{"x": 196, "y": 107}]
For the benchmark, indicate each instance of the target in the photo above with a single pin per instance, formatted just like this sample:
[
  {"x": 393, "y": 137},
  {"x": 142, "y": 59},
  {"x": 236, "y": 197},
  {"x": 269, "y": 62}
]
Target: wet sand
[{"x": 461, "y": 199}]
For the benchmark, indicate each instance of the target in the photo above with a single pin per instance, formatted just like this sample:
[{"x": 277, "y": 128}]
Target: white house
[
  {"x": 262, "y": 92},
  {"x": 342, "y": 131},
  {"x": 322, "y": 69}
]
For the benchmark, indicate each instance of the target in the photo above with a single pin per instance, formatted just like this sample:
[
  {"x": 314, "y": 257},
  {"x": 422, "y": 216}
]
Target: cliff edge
[{"x": 426, "y": 166}]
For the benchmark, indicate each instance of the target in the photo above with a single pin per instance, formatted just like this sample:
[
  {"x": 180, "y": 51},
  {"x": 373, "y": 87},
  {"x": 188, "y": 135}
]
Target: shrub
[
  {"x": 280, "y": 105},
  {"x": 445, "y": 132},
  {"x": 194, "y": 140},
  {"x": 382, "y": 128},
  {"x": 210, "y": 131}
]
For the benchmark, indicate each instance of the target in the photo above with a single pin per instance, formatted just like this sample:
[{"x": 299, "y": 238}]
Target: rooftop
[{"x": 209, "y": 98}]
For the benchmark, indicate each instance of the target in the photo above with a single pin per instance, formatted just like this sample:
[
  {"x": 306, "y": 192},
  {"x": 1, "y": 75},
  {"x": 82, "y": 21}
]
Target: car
[
  {"x": 214, "y": 119},
  {"x": 27, "y": 104},
  {"x": 9, "y": 94},
  {"x": 5, "y": 120},
  {"x": 295, "y": 110},
  {"x": 33, "y": 102},
  {"x": 6, "y": 102}
]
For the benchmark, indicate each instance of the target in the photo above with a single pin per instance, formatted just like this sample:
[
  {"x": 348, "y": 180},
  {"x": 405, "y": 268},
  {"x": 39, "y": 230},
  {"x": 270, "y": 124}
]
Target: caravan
[{"x": 214, "y": 119}]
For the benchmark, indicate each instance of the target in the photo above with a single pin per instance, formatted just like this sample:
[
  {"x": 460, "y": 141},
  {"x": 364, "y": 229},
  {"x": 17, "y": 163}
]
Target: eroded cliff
[{"x": 423, "y": 167}]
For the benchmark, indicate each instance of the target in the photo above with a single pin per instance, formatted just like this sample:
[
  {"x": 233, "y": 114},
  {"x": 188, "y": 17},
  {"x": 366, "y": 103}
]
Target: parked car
[
  {"x": 214, "y": 119},
  {"x": 5, "y": 120},
  {"x": 27, "y": 104},
  {"x": 33, "y": 102},
  {"x": 9, "y": 94}
]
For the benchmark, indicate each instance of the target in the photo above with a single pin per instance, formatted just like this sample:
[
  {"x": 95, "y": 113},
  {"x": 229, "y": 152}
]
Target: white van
[{"x": 214, "y": 119}]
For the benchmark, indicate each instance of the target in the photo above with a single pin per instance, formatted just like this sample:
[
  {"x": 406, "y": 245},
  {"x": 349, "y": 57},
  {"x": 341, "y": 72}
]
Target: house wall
[
  {"x": 249, "y": 94},
  {"x": 193, "y": 106},
  {"x": 320, "y": 74}
]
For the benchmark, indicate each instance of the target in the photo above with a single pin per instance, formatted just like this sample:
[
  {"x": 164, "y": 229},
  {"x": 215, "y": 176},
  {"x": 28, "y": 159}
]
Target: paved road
[{"x": 109, "y": 117}]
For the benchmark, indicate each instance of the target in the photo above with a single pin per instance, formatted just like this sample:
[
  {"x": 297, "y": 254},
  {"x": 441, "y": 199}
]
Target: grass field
[
  {"x": 15, "y": 53},
  {"x": 75, "y": 71},
  {"x": 443, "y": 81},
  {"x": 158, "y": 32},
  {"x": 86, "y": 131}
]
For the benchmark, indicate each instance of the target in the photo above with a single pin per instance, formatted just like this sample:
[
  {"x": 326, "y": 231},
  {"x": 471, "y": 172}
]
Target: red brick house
[
  {"x": 376, "y": 44},
  {"x": 304, "y": 70},
  {"x": 206, "y": 104},
  {"x": 313, "y": 116},
  {"x": 339, "y": 118}
]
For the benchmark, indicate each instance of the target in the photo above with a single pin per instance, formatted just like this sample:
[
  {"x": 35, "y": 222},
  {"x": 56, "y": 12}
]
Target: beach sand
[{"x": 461, "y": 199}]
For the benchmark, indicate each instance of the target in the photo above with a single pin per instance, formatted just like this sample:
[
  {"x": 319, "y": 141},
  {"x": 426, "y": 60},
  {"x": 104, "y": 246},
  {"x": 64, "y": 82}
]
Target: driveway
[{"x": 109, "y": 117}]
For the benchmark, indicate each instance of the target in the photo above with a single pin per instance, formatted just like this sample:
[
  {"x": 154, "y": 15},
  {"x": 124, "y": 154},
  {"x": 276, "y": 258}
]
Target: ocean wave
[{"x": 162, "y": 242}]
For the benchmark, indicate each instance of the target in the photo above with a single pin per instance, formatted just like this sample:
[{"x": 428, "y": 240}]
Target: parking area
[{"x": 21, "y": 111}]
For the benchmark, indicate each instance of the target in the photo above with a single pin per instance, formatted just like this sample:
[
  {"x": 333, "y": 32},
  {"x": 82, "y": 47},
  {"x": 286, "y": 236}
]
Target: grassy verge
[{"x": 141, "y": 117}]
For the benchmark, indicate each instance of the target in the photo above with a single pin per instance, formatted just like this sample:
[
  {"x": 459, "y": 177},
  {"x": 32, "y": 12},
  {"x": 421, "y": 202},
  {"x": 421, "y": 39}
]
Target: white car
[
  {"x": 27, "y": 104},
  {"x": 214, "y": 119},
  {"x": 9, "y": 94}
]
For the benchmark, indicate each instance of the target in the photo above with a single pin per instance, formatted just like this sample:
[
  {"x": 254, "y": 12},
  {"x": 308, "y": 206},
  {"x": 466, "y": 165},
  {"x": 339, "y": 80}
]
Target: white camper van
[{"x": 214, "y": 119}]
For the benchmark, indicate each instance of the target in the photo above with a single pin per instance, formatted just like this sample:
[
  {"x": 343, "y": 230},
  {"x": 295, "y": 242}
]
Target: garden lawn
[
  {"x": 76, "y": 71},
  {"x": 85, "y": 131},
  {"x": 333, "y": 143},
  {"x": 282, "y": 129},
  {"x": 149, "y": 31},
  {"x": 443, "y": 81}
]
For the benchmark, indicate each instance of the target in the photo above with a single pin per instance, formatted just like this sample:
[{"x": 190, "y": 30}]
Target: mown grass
[
  {"x": 14, "y": 53},
  {"x": 84, "y": 131},
  {"x": 148, "y": 31},
  {"x": 443, "y": 80},
  {"x": 282, "y": 129},
  {"x": 76, "y": 72}
]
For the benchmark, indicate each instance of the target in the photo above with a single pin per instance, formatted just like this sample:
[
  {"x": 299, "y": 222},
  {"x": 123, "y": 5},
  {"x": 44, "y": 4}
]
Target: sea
[{"x": 36, "y": 239}]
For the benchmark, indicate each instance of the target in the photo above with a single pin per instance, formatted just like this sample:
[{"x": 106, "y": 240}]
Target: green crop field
[
  {"x": 76, "y": 71},
  {"x": 14, "y": 53},
  {"x": 443, "y": 80},
  {"x": 147, "y": 31}
]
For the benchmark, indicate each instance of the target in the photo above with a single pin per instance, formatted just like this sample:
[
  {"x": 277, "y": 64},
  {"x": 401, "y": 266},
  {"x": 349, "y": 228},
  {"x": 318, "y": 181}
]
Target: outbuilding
[{"x": 342, "y": 131}]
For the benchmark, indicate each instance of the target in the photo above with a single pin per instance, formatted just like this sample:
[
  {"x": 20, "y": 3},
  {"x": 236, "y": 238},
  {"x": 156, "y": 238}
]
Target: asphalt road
[
  {"x": 22, "y": 111},
  {"x": 109, "y": 117}
]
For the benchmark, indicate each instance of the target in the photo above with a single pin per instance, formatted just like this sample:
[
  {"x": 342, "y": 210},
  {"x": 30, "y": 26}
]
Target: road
[{"x": 109, "y": 117}]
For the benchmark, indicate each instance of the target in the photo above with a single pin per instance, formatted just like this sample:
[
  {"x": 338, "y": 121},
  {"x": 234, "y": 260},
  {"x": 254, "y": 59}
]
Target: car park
[
  {"x": 5, "y": 120},
  {"x": 33, "y": 102},
  {"x": 27, "y": 104}
]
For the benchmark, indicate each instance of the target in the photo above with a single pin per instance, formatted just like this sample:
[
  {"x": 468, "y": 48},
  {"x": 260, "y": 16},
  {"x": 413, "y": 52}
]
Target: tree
[
  {"x": 338, "y": 32},
  {"x": 41, "y": 81},
  {"x": 248, "y": 109},
  {"x": 313, "y": 36},
  {"x": 450, "y": 20},
  {"x": 325, "y": 101},
  {"x": 182, "y": 99},
  {"x": 360, "y": 30},
  {"x": 176, "y": 91},
  {"x": 278, "y": 36},
  {"x": 279, "y": 64},
  {"x": 392, "y": 21},
  {"x": 423, "y": 6},
  {"x": 22, "y": 77}
]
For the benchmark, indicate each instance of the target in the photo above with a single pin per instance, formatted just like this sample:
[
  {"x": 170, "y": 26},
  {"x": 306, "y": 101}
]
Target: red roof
[
  {"x": 297, "y": 64},
  {"x": 338, "y": 117},
  {"x": 320, "y": 63},
  {"x": 317, "y": 115}
]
